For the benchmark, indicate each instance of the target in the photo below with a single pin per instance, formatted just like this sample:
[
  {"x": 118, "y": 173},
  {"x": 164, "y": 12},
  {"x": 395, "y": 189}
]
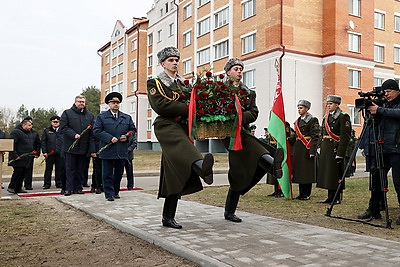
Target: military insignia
[
  {"x": 347, "y": 124},
  {"x": 153, "y": 91}
]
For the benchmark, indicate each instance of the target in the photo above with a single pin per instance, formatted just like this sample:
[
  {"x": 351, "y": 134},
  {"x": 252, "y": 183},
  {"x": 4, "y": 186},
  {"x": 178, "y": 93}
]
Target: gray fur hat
[
  {"x": 334, "y": 98},
  {"x": 232, "y": 62},
  {"x": 167, "y": 52},
  {"x": 304, "y": 103}
]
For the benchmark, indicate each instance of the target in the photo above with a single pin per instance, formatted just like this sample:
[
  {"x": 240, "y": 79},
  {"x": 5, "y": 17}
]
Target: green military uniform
[
  {"x": 303, "y": 165},
  {"x": 178, "y": 153},
  {"x": 329, "y": 171}
]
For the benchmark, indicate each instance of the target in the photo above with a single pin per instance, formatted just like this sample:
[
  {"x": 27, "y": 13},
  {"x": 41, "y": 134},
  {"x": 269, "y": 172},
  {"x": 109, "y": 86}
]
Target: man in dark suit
[{"x": 113, "y": 128}]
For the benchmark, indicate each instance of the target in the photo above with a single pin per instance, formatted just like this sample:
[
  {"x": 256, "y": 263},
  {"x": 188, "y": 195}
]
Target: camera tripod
[{"x": 370, "y": 124}]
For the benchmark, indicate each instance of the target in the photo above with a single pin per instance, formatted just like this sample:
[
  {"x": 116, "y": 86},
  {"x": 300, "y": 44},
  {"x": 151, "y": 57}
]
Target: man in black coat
[
  {"x": 29, "y": 172},
  {"x": 389, "y": 132},
  {"x": 52, "y": 140},
  {"x": 26, "y": 147},
  {"x": 76, "y": 127}
]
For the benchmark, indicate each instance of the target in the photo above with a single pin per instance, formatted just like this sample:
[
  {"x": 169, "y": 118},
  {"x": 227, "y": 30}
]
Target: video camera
[{"x": 366, "y": 100}]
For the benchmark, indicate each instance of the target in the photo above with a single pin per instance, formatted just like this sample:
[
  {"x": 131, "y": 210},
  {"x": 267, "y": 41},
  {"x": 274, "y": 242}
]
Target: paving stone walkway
[{"x": 209, "y": 240}]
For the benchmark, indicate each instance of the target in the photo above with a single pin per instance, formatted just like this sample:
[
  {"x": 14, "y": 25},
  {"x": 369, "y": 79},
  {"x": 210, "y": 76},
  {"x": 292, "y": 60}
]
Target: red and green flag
[{"x": 276, "y": 127}]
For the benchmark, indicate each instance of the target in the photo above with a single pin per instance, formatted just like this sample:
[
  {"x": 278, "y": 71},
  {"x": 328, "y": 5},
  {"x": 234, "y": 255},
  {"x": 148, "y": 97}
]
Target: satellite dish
[{"x": 351, "y": 25}]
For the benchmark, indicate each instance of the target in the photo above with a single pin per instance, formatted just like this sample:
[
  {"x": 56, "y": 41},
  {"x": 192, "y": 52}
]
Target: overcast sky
[{"x": 48, "y": 47}]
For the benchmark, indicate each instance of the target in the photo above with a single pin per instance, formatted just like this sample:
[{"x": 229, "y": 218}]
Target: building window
[
  {"x": 150, "y": 39},
  {"x": 161, "y": 12},
  {"x": 120, "y": 68},
  {"x": 120, "y": 87},
  {"x": 187, "y": 11},
  {"x": 114, "y": 52},
  {"x": 114, "y": 88},
  {"x": 354, "y": 42},
  {"x": 221, "y": 50},
  {"x": 378, "y": 81},
  {"x": 354, "y": 7},
  {"x": 187, "y": 66},
  {"x": 108, "y": 59},
  {"x": 149, "y": 61},
  {"x": 113, "y": 71},
  {"x": 187, "y": 38},
  {"x": 133, "y": 86},
  {"x": 248, "y": 8},
  {"x": 159, "y": 35},
  {"x": 121, "y": 49},
  {"x": 379, "y": 51},
  {"x": 134, "y": 65},
  {"x": 133, "y": 106},
  {"x": 203, "y": 56},
  {"x": 203, "y": 2},
  {"x": 222, "y": 18},
  {"x": 171, "y": 29},
  {"x": 354, "y": 115},
  {"x": 149, "y": 123},
  {"x": 249, "y": 78},
  {"x": 249, "y": 44},
  {"x": 107, "y": 76},
  {"x": 134, "y": 44},
  {"x": 354, "y": 78},
  {"x": 204, "y": 26},
  {"x": 397, "y": 23},
  {"x": 379, "y": 20}
]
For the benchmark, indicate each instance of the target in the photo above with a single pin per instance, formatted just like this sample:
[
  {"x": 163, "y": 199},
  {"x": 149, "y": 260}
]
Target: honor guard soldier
[
  {"x": 305, "y": 148},
  {"x": 336, "y": 131},
  {"x": 181, "y": 162}
]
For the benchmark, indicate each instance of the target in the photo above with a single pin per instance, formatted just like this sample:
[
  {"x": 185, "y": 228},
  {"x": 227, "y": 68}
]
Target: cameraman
[{"x": 389, "y": 128}]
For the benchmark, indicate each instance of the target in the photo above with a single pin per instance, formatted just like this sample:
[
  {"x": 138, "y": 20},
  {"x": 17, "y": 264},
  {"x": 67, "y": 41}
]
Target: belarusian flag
[{"x": 276, "y": 127}]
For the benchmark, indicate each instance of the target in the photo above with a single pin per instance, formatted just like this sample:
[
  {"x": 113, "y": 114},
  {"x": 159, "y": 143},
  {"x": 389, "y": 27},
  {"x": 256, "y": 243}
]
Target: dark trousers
[
  {"x": 129, "y": 173},
  {"x": 74, "y": 171},
  {"x": 17, "y": 178},
  {"x": 112, "y": 175},
  {"x": 392, "y": 161},
  {"x": 97, "y": 179},
  {"x": 28, "y": 175},
  {"x": 86, "y": 164},
  {"x": 58, "y": 162}
]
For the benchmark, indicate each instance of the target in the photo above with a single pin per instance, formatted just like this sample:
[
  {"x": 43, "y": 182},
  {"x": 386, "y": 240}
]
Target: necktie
[{"x": 115, "y": 115}]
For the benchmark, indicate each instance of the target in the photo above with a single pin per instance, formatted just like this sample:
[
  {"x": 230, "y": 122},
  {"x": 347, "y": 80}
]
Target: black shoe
[
  {"x": 80, "y": 192},
  {"x": 327, "y": 201},
  {"x": 68, "y": 193},
  {"x": 46, "y": 187},
  {"x": 62, "y": 192},
  {"x": 279, "y": 194},
  {"x": 117, "y": 197},
  {"x": 11, "y": 190},
  {"x": 110, "y": 199},
  {"x": 130, "y": 188},
  {"x": 368, "y": 215},
  {"x": 303, "y": 198},
  {"x": 171, "y": 223},
  {"x": 208, "y": 162},
  {"x": 28, "y": 188},
  {"x": 98, "y": 191},
  {"x": 278, "y": 158},
  {"x": 232, "y": 217},
  {"x": 92, "y": 190},
  {"x": 272, "y": 194},
  {"x": 21, "y": 191}
]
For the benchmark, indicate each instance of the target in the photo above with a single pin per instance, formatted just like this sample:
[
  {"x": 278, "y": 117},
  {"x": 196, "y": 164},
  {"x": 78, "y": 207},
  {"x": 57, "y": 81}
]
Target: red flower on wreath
[
  {"x": 221, "y": 76},
  {"x": 208, "y": 74},
  {"x": 201, "y": 111},
  {"x": 186, "y": 82}
]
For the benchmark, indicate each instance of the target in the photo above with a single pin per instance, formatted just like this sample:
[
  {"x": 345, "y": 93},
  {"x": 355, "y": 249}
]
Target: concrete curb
[{"x": 171, "y": 247}]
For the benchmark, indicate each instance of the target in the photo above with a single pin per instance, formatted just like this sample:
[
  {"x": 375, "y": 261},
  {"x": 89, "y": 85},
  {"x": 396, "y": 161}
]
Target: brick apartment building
[{"x": 323, "y": 47}]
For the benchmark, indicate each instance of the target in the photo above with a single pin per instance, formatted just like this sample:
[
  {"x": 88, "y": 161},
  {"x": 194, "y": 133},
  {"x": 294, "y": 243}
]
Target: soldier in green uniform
[
  {"x": 181, "y": 163},
  {"x": 336, "y": 133},
  {"x": 249, "y": 165},
  {"x": 307, "y": 132}
]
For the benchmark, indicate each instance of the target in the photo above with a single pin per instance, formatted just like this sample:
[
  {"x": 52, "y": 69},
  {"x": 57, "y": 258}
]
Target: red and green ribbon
[{"x": 236, "y": 138}]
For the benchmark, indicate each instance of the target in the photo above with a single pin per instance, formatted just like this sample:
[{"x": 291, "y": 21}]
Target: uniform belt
[
  {"x": 305, "y": 137},
  {"x": 272, "y": 142},
  {"x": 327, "y": 137}
]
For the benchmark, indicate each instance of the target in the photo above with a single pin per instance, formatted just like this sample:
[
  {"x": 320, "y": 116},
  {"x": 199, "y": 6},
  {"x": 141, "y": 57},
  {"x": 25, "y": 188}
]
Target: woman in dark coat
[
  {"x": 181, "y": 163},
  {"x": 249, "y": 165}
]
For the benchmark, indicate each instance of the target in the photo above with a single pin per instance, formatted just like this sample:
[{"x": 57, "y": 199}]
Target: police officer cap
[
  {"x": 334, "y": 98},
  {"x": 233, "y": 62},
  {"x": 167, "y": 52},
  {"x": 390, "y": 84},
  {"x": 55, "y": 118},
  {"x": 113, "y": 97},
  {"x": 304, "y": 103}
]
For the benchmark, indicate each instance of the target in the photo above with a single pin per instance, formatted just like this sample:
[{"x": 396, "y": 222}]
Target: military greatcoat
[
  {"x": 304, "y": 171},
  {"x": 244, "y": 171},
  {"x": 329, "y": 171},
  {"x": 178, "y": 153}
]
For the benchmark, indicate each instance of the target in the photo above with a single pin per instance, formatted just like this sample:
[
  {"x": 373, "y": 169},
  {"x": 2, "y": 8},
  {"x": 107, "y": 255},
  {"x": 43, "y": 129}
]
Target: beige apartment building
[{"x": 323, "y": 47}]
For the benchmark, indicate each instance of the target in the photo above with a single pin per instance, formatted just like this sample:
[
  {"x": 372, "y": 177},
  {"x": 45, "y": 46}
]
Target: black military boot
[
  {"x": 203, "y": 168},
  {"x": 232, "y": 200},
  {"x": 272, "y": 165},
  {"x": 169, "y": 210}
]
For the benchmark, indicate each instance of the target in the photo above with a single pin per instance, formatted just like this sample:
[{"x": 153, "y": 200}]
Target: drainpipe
[
  {"x": 177, "y": 23},
  {"x": 137, "y": 83},
  {"x": 281, "y": 42}
]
